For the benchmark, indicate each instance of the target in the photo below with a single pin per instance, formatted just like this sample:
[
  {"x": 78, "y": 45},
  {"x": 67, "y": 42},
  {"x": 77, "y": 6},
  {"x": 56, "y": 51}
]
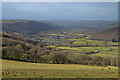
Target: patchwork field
[
  {"x": 17, "y": 69},
  {"x": 101, "y": 51}
]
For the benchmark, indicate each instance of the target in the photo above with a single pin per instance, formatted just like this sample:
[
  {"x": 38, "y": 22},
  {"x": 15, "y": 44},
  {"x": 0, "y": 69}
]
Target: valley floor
[{"x": 17, "y": 69}]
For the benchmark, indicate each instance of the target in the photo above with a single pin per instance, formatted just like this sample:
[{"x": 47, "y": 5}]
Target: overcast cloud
[{"x": 60, "y": 10}]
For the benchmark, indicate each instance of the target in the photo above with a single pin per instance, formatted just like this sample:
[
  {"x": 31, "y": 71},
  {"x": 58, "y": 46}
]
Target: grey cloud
[{"x": 60, "y": 10}]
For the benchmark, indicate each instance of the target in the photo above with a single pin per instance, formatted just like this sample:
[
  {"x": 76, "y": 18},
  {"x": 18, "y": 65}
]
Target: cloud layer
[{"x": 60, "y": 10}]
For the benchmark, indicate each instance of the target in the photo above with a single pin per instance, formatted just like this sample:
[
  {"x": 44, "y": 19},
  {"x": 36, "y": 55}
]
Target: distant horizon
[
  {"x": 58, "y": 20},
  {"x": 60, "y": 10}
]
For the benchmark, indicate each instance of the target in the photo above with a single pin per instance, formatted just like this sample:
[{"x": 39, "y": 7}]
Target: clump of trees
[
  {"x": 58, "y": 58},
  {"x": 54, "y": 57}
]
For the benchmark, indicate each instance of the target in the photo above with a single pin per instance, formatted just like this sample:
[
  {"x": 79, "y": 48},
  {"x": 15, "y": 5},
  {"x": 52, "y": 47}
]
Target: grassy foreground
[{"x": 16, "y": 69}]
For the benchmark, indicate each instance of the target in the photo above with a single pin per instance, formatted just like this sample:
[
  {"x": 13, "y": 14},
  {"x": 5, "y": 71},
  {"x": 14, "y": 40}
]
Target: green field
[
  {"x": 100, "y": 51},
  {"x": 79, "y": 43},
  {"x": 69, "y": 48},
  {"x": 17, "y": 69},
  {"x": 105, "y": 51},
  {"x": 95, "y": 43},
  {"x": 89, "y": 49},
  {"x": 112, "y": 43}
]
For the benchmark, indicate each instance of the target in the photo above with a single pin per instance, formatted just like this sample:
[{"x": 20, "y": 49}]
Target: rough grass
[{"x": 16, "y": 69}]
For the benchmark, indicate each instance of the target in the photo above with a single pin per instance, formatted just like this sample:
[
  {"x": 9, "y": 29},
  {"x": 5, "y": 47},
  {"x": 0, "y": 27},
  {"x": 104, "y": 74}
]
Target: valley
[{"x": 42, "y": 50}]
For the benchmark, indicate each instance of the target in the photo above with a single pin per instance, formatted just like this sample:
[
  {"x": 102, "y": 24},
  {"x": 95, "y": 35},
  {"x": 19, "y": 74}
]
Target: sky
[{"x": 60, "y": 10}]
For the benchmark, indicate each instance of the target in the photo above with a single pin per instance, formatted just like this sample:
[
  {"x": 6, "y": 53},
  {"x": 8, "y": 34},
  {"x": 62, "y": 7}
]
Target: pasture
[{"x": 17, "y": 69}]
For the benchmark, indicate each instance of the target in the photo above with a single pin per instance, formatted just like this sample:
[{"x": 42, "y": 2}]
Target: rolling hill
[
  {"x": 32, "y": 27},
  {"x": 25, "y": 26},
  {"x": 107, "y": 34},
  {"x": 83, "y": 25},
  {"x": 106, "y": 29}
]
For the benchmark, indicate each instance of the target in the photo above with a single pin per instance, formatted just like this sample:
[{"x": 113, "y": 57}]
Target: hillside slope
[
  {"x": 107, "y": 34},
  {"x": 14, "y": 46},
  {"x": 25, "y": 26},
  {"x": 87, "y": 25},
  {"x": 17, "y": 69}
]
